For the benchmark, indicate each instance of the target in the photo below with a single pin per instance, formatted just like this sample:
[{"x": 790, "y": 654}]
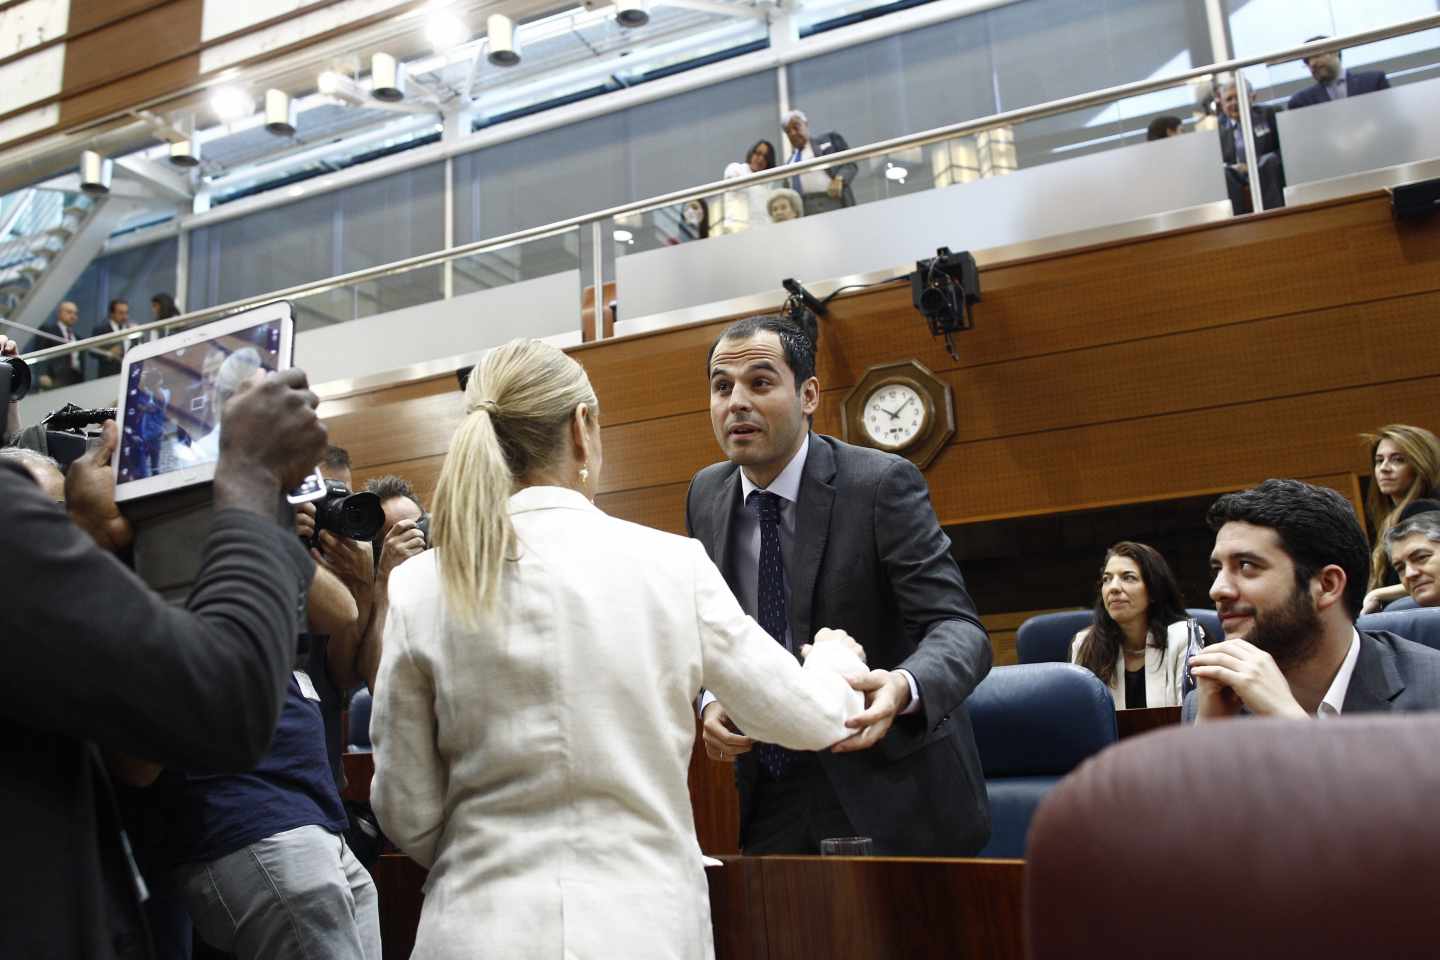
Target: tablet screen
[{"x": 172, "y": 399}]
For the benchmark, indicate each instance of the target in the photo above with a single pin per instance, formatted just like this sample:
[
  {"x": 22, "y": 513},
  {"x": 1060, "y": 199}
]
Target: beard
[{"x": 1291, "y": 633}]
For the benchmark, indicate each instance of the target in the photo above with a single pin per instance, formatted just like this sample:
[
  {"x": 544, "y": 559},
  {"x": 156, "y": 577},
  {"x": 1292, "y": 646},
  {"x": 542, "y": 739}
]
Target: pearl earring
[{"x": 584, "y": 475}]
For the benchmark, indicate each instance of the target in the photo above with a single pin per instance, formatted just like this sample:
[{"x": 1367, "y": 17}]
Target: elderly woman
[
  {"x": 533, "y": 717},
  {"x": 784, "y": 204},
  {"x": 1139, "y": 635}
]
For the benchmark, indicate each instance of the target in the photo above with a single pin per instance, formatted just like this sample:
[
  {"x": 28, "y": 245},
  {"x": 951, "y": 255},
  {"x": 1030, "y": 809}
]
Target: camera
[
  {"x": 66, "y": 437},
  {"x": 944, "y": 289},
  {"x": 355, "y": 516}
]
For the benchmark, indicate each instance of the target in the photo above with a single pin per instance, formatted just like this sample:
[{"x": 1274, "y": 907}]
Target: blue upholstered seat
[
  {"x": 1034, "y": 723},
  {"x": 1046, "y": 638},
  {"x": 1420, "y": 624}
]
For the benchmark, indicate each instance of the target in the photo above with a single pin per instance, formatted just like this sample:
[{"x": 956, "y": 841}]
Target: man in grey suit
[
  {"x": 1290, "y": 564},
  {"x": 821, "y": 190},
  {"x": 811, "y": 532}
]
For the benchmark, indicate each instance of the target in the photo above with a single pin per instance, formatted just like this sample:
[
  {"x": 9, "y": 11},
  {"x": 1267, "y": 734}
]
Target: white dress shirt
[
  {"x": 816, "y": 181},
  {"x": 1334, "y": 699}
]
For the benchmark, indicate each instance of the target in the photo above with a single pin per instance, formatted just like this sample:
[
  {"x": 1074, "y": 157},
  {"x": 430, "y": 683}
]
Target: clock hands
[{"x": 895, "y": 414}]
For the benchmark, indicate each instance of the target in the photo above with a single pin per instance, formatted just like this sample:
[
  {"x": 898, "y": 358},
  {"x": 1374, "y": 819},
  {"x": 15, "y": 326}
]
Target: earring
[{"x": 584, "y": 475}]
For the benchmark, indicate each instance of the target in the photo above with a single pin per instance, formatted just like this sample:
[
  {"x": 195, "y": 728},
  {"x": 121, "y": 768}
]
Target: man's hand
[
  {"x": 1236, "y": 671},
  {"x": 1242, "y": 168},
  {"x": 886, "y": 694},
  {"x": 836, "y": 188},
  {"x": 351, "y": 560},
  {"x": 270, "y": 440},
  {"x": 8, "y": 347},
  {"x": 402, "y": 542},
  {"x": 90, "y": 494},
  {"x": 305, "y": 521},
  {"x": 722, "y": 740}
]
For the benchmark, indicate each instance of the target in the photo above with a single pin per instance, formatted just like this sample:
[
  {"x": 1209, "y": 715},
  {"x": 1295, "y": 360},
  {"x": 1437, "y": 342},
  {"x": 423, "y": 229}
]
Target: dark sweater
[{"x": 93, "y": 659}]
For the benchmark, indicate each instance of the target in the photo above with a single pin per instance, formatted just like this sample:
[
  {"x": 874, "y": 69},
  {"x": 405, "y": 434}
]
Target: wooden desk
[
  {"x": 800, "y": 908},
  {"x": 866, "y": 908},
  {"x": 359, "y": 770},
  {"x": 1132, "y": 723}
]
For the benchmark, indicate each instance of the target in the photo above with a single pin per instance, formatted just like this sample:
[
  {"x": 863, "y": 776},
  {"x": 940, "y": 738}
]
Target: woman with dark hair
[
  {"x": 695, "y": 220},
  {"x": 162, "y": 305},
  {"x": 752, "y": 200},
  {"x": 1137, "y": 640}
]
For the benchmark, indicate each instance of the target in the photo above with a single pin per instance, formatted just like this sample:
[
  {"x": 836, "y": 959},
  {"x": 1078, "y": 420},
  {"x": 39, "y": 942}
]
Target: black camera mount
[{"x": 944, "y": 289}]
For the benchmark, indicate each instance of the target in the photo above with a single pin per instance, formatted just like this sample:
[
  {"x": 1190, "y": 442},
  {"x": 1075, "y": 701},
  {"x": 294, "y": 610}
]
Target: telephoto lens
[
  {"x": 17, "y": 372},
  {"x": 356, "y": 516}
]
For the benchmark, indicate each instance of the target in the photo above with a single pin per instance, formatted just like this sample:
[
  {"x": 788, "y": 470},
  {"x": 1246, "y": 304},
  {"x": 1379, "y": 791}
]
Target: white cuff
[
  {"x": 914, "y": 705},
  {"x": 706, "y": 698}
]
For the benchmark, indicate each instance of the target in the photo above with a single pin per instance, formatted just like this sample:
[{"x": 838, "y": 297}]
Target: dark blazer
[
  {"x": 1392, "y": 675},
  {"x": 59, "y": 370},
  {"x": 871, "y": 559},
  {"x": 94, "y": 661},
  {"x": 1267, "y": 134},
  {"x": 830, "y": 143},
  {"x": 1357, "y": 82},
  {"x": 109, "y": 367}
]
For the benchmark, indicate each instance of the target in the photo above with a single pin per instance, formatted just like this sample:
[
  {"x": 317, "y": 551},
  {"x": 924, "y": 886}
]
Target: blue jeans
[{"x": 299, "y": 894}]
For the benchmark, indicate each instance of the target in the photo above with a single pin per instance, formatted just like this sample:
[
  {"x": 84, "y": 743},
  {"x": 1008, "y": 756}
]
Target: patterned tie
[{"x": 770, "y": 603}]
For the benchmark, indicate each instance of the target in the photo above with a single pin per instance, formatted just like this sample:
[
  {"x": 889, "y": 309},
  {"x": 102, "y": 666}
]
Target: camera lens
[{"x": 19, "y": 377}]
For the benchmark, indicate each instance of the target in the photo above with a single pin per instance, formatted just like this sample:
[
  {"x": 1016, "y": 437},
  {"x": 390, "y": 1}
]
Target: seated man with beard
[{"x": 1290, "y": 568}]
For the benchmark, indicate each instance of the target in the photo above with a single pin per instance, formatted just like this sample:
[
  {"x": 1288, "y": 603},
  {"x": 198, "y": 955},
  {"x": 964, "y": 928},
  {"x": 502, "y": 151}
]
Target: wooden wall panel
[{"x": 148, "y": 54}]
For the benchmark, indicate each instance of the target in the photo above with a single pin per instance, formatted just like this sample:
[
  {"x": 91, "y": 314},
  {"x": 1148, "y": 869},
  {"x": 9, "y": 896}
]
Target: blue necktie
[
  {"x": 795, "y": 181},
  {"x": 770, "y": 603}
]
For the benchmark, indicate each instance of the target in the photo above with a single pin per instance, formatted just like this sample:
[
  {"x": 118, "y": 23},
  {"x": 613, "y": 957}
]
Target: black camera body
[
  {"x": 355, "y": 516},
  {"x": 944, "y": 289}
]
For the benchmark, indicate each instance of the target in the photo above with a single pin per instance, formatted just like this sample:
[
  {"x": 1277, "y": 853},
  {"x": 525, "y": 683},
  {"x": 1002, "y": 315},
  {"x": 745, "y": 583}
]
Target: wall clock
[{"x": 900, "y": 408}]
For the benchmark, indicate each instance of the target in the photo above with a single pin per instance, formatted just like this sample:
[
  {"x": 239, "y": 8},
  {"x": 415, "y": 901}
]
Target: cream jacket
[
  {"x": 538, "y": 765},
  {"x": 1164, "y": 669}
]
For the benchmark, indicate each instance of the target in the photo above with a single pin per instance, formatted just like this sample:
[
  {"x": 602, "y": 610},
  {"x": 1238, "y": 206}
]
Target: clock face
[{"x": 895, "y": 415}]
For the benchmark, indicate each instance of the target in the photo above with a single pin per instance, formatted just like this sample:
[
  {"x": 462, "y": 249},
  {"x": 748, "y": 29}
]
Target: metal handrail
[{"x": 893, "y": 145}]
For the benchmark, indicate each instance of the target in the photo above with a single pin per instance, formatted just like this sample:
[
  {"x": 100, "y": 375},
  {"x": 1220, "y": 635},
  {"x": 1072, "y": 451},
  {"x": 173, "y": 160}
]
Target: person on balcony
[
  {"x": 823, "y": 190},
  {"x": 117, "y": 318},
  {"x": 760, "y": 157},
  {"x": 1333, "y": 82},
  {"x": 62, "y": 371},
  {"x": 1238, "y": 166}
]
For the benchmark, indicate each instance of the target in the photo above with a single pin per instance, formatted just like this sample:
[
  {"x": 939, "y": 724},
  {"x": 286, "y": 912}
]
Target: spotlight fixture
[
  {"x": 279, "y": 113},
  {"x": 500, "y": 38},
  {"x": 185, "y": 153},
  {"x": 95, "y": 173},
  {"x": 632, "y": 13},
  {"x": 387, "y": 78},
  {"x": 623, "y": 236},
  {"x": 330, "y": 83},
  {"x": 231, "y": 103},
  {"x": 943, "y": 290}
]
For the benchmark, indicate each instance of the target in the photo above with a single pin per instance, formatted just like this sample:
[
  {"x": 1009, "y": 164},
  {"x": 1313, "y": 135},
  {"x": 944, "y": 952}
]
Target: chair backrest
[
  {"x": 1040, "y": 719},
  {"x": 1421, "y": 624},
  {"x": 1046, "y": 638},
  {"x": 1233, "y": 836},
  {"x": 1404, "y": 603}
]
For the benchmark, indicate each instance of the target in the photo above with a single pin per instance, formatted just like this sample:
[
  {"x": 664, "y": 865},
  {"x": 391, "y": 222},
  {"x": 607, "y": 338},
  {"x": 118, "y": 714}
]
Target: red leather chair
[{"x": 1244, "y": 838}]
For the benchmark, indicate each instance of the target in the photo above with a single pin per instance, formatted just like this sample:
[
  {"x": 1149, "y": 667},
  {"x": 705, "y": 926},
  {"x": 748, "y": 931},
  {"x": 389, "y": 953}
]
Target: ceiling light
[
  {"x": 895, "y": 172},
  {"x": 185, "y": 153},
  {"x": 500, "y": 37},
  {"x": 95, "y": 172},
  {"x": 330, "y": 83},
  {"x": 231, "y": 103},
  {"x": 444, "y": 30},
  {"x": 624, "y": 236},
  {"x": 632, "y": 13},
  {"x": 387, "y": 78},
  {"x": 280, "y": 113}
]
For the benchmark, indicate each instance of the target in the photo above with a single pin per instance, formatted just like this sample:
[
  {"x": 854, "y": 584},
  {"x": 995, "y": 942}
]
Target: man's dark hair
[
  {"x": 110, "y": 310},
  {"x": 1324, "y": 36},
  {"x": 1160, "y": 127},
  {"x": 337, "y": 458},
  {"x": 1416, "y": 507},
  {"x": 389, "y": 486},
  {"x": 1316, "y": 526},
  {"x": 797, "y": 341}
]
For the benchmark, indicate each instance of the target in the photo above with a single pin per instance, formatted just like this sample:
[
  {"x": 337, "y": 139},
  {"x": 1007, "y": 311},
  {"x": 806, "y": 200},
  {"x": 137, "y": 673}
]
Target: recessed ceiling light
[{"x": 231, "y": 103}]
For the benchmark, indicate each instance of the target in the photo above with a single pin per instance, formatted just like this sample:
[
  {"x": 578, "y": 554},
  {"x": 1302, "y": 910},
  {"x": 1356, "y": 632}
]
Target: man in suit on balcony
[
  {"x": 810, "y": 532},
  {"x": 822, "y": 190},
  {"x": 117, "y": 318},
  {"x": 1333, "y": 82},
  {"x": 62, "y": 371},
  {"x": 1239, "y": 168}
]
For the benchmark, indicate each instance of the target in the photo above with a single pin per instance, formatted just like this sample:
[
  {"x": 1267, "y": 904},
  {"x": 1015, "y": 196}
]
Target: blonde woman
[
  {"x": 533, "y": 715},
  {"x": 1406, "y": 465}
]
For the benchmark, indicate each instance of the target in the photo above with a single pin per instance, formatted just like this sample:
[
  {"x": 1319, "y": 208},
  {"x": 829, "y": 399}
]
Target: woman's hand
[{"x": 827, "y": 635}]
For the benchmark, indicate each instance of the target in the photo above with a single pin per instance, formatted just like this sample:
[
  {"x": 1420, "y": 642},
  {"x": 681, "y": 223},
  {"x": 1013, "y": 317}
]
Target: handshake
[{"x": 887, "y": 694}]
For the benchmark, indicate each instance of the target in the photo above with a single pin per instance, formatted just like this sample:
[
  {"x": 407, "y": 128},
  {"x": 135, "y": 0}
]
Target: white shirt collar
[
  {"x": 1334, "y": 698},
  {"x": 787, "y": 485}
]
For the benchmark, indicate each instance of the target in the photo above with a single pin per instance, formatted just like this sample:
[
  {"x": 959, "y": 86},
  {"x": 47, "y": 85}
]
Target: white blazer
[
  {"x": 1164, "y": 669},
  {"x": 538, "y": 765}
]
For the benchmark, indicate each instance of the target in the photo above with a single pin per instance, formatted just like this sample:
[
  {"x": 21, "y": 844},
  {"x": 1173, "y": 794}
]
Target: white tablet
[{"x": 172, "y": 390}]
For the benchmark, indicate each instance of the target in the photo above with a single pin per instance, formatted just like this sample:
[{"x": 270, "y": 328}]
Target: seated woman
[
  {"x": 784, "y": 204},
  {"x": 1406, "y": 465},
  {"x": 1137, "y": 641},
  {"x": 534, "y": 714}
]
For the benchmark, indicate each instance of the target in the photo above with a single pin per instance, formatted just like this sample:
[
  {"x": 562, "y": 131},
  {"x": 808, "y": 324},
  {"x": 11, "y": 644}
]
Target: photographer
[
  {"x": 404, "y": 535},
  {"x": 95, "y": 660}
]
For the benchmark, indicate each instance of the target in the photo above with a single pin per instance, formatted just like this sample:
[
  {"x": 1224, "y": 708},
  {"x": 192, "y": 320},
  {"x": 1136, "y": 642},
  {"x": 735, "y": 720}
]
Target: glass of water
[{"x": 847, "y": 847}]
